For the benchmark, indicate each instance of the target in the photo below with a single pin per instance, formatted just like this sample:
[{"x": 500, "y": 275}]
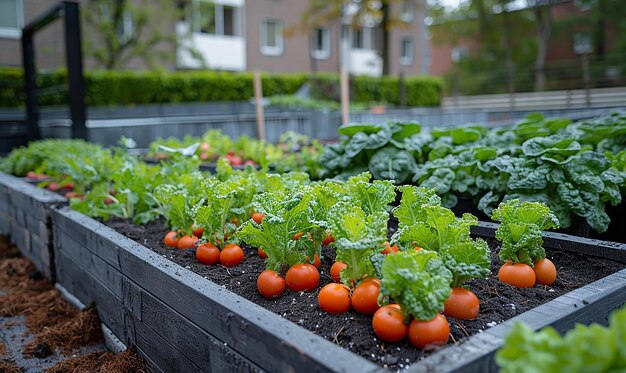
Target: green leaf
[
  {"x": 392, "y": 164},
  {"x": 413, "y": 198},
  {"x": 357, "y": 237},
  {"x": 520, "y": 230},
  {"x": 354, "y": 128},
  {"x": 441, "y": 180},
  {"x": 466, "y": 260},
  {"x": 356, "y": 144},
  {"x": 418, "y": 281}
]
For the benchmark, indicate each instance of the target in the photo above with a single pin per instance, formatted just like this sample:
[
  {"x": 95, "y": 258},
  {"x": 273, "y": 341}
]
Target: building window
[
  {"x": 11, "y": 18},
  {"x": 123, "y": 27},
  {"x": 362, "y": 38},
  {"x": 407, "y": 11},
  {"x": 215, "y": 19},
  {"x": 271, "y": 37},
  {"x": 321, "y": 44},
  {"x": 406, "y": 52},
  {"x": 458, "y": 53}
]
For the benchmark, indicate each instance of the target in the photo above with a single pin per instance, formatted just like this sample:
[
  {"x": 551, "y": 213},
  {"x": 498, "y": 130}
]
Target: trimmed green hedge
[
  {"x": 420, "y": 90},
  {"x": 108, "y": 88}
]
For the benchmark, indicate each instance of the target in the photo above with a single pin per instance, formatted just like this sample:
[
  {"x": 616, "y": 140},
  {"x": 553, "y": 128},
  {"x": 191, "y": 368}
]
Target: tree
[
  {"x": 542, "y": 11},
  {"x": 501, "y": 45},
  {"x": 362, "y": 12},
  {"x": 124, "y": 30}
]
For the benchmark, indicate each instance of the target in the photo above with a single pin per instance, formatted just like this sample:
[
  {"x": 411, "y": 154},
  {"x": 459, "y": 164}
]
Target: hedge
[
  {"x": 419, "y": 90},
  {"x": 109, "y": 88}
]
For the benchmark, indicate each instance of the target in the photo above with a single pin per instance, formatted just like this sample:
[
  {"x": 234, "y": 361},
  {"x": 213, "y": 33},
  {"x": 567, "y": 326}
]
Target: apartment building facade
[{"x": 246, "y": 35}]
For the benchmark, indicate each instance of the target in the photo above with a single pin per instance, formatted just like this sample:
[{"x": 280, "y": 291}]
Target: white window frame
[
  {"x": 267, "y": 50},
  {"x": 127, "y": 27},
  {"x": 321, "y": 54},
  {"x": 458, "y": 53},
  {"x": 407, "y": 60},
  {"x": 368, "y": 37},
  {"x": 407, "y": 12},
  {"x": 219, "y": 19},
  {"x": 15, "y": 32}
]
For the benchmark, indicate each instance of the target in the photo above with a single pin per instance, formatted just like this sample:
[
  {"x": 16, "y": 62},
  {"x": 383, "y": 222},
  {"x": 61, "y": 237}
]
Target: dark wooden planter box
[
  {"x": 591, "y": 303},
  {"x": 181, "y": 322},
  {"x": 25, "y": 217},
  {"x": 178, "y": 320}
]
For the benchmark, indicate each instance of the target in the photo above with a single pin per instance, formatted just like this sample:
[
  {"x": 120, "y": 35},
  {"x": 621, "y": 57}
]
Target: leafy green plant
[
  {"x": 520, "y": 230},
  {"x": 418, "y": 281},
  {"x": 382, "y": 148},
  {"x": 591, "y": 348},
  {"x": 286, "y": 215},
  {"x": 358, "y": 235}
]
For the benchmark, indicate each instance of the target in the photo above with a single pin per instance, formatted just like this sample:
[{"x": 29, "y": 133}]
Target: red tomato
[
  {"x": 463, "y": 304},
  {"x": 108, "y": 200},
  {"x": 317, "y": 262},
  {"x": 171, "y": 239},
  {"x": 235, "y": 161},
  {"x": 365, "y": 296},
  {"x": 231, "y": 255},
  {"x": 270, "y": 284},
  {"x": 388, "y": 324},
  {"x": 69, "y": 195},
  {"x": 297, "y": 235},
  {"x": 431, "y": 332},
  {"x": 519, "y": 274},
  {"x": 261, "y": 253},
  {"x": 198, "y": 231},
  {"x": 328, "y": 239},
  {"x": 207, "y": 253},
  {"x": 335, "y": 270},
  {"x": 545, "y": 271},
  {"x": 204, "y": 156},
  {"x": 258, "y": 217},
  {"x": 302, "y": 277},
  {"x": 334, "y": 298},
  {"x": 390, "y": 249},
  {"x": 249, "y": 162},
  {"x": 187, "y": 242},
  {"x": 54, "y": 186}
]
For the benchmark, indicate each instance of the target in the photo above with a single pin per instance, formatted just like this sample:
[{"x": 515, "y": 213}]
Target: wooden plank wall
[
  {"x": 177, "y": 319},
  {"x": 25, "y": 217}
]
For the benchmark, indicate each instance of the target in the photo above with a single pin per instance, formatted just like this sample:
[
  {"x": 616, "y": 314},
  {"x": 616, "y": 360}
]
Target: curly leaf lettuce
[
  {"x": 466, "y": 260},
  {"x": 285, "y": 216},
  {"x": 357, "y": 237},
  {"x": 520, "y": 230},
  {"x": 413, "y": 198},
  {"x": 583, "y": 349},
  {"x": 418, "y": 281}
]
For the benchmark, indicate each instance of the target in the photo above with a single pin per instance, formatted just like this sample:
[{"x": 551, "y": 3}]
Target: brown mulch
[
  {"x": 101, "y": 362},
  {"x": 55, "y": 324}
]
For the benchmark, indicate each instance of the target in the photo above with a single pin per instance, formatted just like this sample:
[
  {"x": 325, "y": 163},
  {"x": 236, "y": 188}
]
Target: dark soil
[
  {"x": 55, "y": 329},
  {"x": 353, "y": 331}
]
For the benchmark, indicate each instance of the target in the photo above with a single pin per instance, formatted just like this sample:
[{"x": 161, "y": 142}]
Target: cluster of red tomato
[
  {"x": 207, "y": 253},
  {"x": 388, "y": 322}
]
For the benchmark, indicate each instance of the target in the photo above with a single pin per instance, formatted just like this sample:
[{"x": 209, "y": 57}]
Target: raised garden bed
[
  {"x": 180, "y": 321},
  {"x": 25, "y": 217}
]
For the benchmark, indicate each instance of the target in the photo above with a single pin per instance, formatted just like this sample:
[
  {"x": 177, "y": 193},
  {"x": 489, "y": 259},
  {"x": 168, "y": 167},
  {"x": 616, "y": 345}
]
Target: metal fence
[{"x": 145, "y": 124}]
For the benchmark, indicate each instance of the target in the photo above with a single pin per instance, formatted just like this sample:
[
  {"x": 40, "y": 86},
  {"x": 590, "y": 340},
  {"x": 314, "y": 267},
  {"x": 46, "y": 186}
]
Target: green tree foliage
[
  {"x": 124, "y": 30},
  {"x": 381, "y": 13}
]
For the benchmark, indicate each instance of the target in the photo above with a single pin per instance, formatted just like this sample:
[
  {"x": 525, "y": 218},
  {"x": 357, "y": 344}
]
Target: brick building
[{"x": 240, "y": 35}]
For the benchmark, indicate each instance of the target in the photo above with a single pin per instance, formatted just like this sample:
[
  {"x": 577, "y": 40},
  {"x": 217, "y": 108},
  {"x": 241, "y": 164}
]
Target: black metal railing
[{"x": 70, "y": 13}]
